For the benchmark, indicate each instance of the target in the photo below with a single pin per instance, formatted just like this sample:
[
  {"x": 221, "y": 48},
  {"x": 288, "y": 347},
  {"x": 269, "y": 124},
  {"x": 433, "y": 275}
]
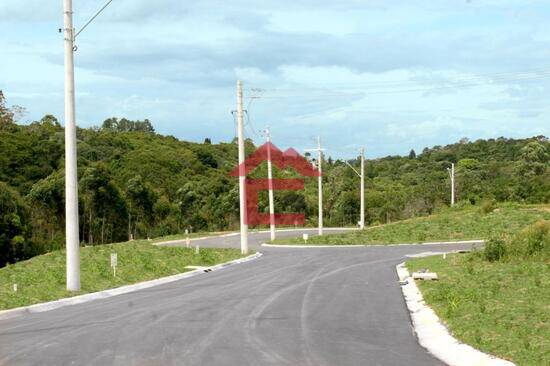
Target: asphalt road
[
  {"x": 255, "y": 238},
  {"x": 327, "y": 306}
]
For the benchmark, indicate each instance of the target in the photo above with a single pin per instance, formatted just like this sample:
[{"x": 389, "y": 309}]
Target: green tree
[{"x": 14, "y": 227}]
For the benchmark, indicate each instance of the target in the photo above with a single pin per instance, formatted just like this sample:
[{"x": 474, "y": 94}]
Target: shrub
[
  {"x": 532, "y": 241},
  {"x": 495, "y": 249},
  {"x": 487, "y": 206}
]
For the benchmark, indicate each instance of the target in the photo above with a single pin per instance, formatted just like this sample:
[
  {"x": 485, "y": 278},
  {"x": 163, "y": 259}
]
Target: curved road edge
[
  {"x": 50, "y": 305},
  {"x": 476, "y": 241},
  {"x": 433, "y": 335}
]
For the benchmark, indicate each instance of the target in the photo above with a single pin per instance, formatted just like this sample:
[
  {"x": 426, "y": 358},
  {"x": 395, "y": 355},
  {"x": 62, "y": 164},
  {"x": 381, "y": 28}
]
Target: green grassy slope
[
  {"x": 502, "y": 308},
  {"x": 464, "y": 223},
  {"x": 42, "y": 278}
]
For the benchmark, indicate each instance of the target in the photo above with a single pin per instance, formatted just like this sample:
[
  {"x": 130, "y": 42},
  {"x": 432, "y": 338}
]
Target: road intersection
[{"x": 292, "y": 306}]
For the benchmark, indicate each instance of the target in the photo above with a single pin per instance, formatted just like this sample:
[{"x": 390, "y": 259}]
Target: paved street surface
[
  {"x": 255, "y": 238},
  {"x": 327, "y": 306}
]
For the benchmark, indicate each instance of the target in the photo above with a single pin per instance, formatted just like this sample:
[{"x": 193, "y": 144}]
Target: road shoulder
[{"x": 433, "y": 335}]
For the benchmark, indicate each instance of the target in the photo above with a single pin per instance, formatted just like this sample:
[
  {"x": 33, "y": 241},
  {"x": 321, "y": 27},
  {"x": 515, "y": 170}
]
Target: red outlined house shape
[{"x": 282, "y": 160}]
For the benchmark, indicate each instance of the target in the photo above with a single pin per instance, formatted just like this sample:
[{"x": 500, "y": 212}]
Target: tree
[
  {"x": 126, "y": 125},
  {"x": 14, "y": 227},
  {"x": 141, "y": 200},
  {"x": 47, "y": 199},
  {"x": 104, "y": 211},
  {"x": 412, "y": 154},
  {"x": 207, "y": 141}
]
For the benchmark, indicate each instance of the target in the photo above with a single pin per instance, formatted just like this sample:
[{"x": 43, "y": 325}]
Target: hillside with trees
[{"x": 135, "y": 183}]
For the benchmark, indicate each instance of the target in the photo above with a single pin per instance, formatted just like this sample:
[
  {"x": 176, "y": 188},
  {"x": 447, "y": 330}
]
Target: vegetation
[
  {"x": 42, "y": 278},
  {"x": 134, "y": 183},
  {"x": 497, "y": 299},
  {"x": 458, "y": 223}
]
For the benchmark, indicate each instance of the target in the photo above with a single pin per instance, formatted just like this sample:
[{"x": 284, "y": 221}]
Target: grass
[
  {"x": 502, "y": 308},
  {"x": 42, "y": 278},
  {"x": 464, "y": 223},
  {"x": 161, "y": 239}
]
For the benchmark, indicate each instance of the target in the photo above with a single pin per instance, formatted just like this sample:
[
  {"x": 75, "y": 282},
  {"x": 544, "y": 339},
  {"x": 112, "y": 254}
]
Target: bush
[
  {"x": 533, "y": 241},
  {"x": 495, "y": 249},
  {"x": 487, "y": 206}
]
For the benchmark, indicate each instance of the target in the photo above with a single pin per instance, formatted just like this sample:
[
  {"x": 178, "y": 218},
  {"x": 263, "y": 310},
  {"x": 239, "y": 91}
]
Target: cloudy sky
[{"x": 387, "y": 75}]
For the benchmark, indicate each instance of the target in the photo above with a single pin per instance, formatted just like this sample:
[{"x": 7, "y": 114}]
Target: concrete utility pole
[
  {"x": 362, "y": 185},
  {"x": 242, "y": 171},
  {"x": 71, "y": 177},
  {"x": 319, "y": 167},
  {"x": 362, "y": 218},
  {"x": 320, "y": 184},
  {"x": 270, "y": 186},
  {"x": 452, "y": 176}
]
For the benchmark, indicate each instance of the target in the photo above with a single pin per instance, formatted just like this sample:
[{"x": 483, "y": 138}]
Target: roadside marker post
[
  {"x": 15, "y": 287},
  {"x": 305, "y": 236},
  {"x": 114, "y": 262},
  {"x": 197, "y": 249},
  {"x": 187, "y": 240}
]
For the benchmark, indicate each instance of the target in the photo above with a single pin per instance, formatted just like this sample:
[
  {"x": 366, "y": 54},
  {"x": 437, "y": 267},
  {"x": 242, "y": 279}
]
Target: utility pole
[
  {"x": 270, "y": 186},
  {"x": 452, "y": 176},
  {"x": 319, "y": 167},
  {"x": 362, "y": 219},
  {"x": 320, "y": 181},
  {"x": 452, "y": 184},
  {"x": 362, "y": 187},
  {"x": 71, "y": 177},
  {"x": 242, "y": 170}
]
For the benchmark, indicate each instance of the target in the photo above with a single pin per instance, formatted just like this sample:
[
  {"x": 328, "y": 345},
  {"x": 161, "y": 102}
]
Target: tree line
[{"x": 134, "y": 183}]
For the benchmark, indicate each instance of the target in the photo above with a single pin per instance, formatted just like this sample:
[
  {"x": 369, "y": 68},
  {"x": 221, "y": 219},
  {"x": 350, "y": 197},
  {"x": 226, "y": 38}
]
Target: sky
[{"x": 389, "y": 76}]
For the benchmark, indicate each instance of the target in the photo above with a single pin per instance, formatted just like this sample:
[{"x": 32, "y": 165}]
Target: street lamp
[{"x": 362, "y": 177}]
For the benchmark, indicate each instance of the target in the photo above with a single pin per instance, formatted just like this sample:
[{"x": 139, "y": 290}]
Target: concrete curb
[
  {"x": 433, "y": 335},
  {"x": 252, "y": 232},
  {"x": 372, "y": 245},
  {"x": 46, "y": 306}
]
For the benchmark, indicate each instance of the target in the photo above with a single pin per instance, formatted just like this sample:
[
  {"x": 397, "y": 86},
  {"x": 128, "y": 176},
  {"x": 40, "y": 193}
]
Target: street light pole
[
  {"x": 71, "y": 177},
  {"x": 362, "y": 187},
  {"x": 242, "y": 170},
  {"x": 362, "y": 219},
  {"x": 452, "y": 176},
  {"x": 452, "y": 184},
  {"x": 270, "y": 186},
  {"x": 320, "y": 181}
]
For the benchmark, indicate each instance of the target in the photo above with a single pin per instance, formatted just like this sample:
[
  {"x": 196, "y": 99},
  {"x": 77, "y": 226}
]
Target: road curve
[
  {"x": 255, "y": 238},
  {"x": 321, "y": 306}
]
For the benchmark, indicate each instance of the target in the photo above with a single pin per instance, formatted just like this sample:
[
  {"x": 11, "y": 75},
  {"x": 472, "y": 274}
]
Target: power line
[
  {"x": 92, "y": 18},
  {"x": 480, "y": 77},
  {"x": 397, "y": 91}
]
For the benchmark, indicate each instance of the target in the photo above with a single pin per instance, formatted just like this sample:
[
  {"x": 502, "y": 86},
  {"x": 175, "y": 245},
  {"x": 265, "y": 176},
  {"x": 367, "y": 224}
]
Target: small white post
[
  {"x": 15, "y": 287},
  {"x": 187, "y": 240},
  {"x": 197, "y": 249},
  {"x": 305, "y": 237},
  {"x": 114, "y": 263}
]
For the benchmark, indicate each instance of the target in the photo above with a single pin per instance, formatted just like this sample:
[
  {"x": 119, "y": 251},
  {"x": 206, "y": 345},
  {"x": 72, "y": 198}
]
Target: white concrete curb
[
  {"x": 434, "y": 336},
  {"x": 370, "y": 245},
  {"x": 46, "y": 306},
  {"x": 251, "y": 232}
]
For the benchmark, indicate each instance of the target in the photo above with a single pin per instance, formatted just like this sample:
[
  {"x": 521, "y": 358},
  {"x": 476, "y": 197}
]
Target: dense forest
[{"x": 135, "y": 183}]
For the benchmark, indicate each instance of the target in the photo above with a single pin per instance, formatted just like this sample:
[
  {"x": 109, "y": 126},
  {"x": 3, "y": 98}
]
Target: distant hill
[{"x": 134, "y": 182}]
